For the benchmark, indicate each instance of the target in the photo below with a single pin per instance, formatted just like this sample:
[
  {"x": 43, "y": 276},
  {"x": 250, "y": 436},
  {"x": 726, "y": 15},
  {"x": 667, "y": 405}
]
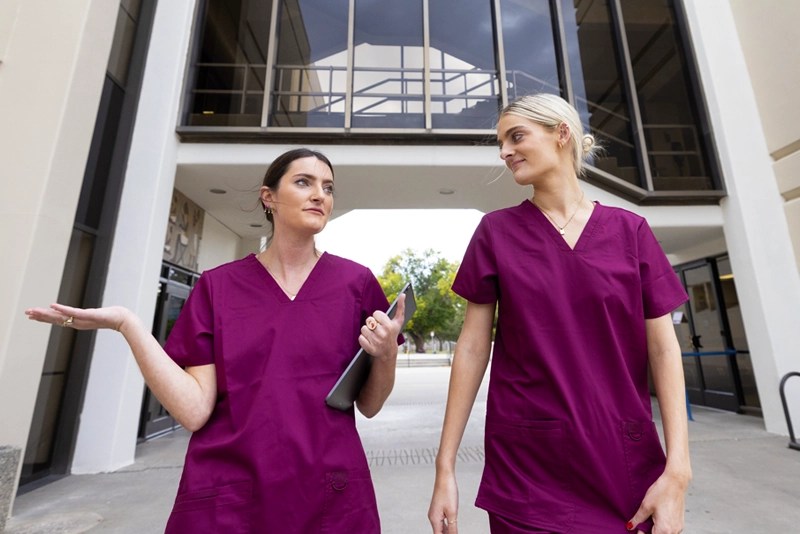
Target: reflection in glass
[
  {"x": 529, "y": 47},
  {"x": 669, "y": 118},
  {"x": 310, "y": 74},
  {"x": 464, "y": 88},
  {"x": 388, "y": 68},
  {"x": 708, "y": 332},
  {"x": 737, "y": 333},
  {"x": 228, "y": 76},
  {"x": 599, "y": 86}
]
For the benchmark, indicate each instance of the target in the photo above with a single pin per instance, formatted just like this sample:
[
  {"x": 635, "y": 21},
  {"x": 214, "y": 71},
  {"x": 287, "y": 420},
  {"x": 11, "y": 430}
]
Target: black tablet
[{"x": 344, "y": 392}]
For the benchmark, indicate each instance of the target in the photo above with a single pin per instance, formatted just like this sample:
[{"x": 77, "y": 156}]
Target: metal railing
[{"x": 793, "y": 444}]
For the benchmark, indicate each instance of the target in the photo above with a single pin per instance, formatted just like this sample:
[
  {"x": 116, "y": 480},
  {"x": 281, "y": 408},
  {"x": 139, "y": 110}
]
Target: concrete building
[{"x": 134, "y": 135}]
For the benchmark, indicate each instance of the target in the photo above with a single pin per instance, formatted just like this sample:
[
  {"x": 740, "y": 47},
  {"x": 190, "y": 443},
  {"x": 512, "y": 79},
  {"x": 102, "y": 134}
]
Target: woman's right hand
[
  {"x": 443, "y": 512},
  {"x": 80, "y": 318}
]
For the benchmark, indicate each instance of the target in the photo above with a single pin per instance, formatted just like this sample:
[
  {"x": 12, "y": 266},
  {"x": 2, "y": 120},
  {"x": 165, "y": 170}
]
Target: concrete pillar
[
  {"x": 109, "y": 421},
  {"x": 756, "y": 227}
]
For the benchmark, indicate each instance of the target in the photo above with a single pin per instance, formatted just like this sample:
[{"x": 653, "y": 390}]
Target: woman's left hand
[
  {"x": 379, "y": 334},
  {"x": 665, "y": 503}
]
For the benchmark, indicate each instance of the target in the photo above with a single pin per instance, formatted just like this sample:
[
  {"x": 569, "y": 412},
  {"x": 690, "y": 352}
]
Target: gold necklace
[
  {"x": 283, "y": 288},
  {"x": 561, "y": 228}
]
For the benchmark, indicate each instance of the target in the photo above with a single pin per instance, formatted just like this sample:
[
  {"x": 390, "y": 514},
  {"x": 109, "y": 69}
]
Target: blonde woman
[{"x": 583, "y": 294}]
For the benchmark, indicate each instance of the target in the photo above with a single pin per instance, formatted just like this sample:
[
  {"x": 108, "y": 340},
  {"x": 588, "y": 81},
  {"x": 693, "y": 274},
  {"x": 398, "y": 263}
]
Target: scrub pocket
[
  {"x": 644, "y": 459},
  {"x": 350, "y": 504},
  {"x": 527, "y": 476},
  {"x": 225, "y": 508}
]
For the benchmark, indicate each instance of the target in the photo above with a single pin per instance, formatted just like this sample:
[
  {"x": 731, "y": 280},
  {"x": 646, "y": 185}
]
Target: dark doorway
[
  {"x": 174, "y": 288},
  {"x": 716, "y": 359}
]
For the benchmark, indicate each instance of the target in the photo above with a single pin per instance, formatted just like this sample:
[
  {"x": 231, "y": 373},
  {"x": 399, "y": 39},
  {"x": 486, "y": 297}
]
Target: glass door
[
  {"x": 708, "y": 355},
  {"x": 155, "y": 420}
]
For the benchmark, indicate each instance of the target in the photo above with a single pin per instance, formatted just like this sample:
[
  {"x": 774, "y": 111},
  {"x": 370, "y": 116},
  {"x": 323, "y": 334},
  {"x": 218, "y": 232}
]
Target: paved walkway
[{"x": 745, "y": 480}]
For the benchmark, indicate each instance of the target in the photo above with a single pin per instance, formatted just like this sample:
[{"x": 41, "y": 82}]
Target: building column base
[{"x": 9, "y": 464}]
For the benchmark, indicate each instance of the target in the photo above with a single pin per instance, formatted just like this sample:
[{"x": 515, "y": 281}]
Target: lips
[
  {"x": 315, "y": 210},
  {"x": 516, "y": 163}
]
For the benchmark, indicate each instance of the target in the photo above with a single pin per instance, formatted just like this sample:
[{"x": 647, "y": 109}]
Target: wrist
[{"x": 681, "y": 475}]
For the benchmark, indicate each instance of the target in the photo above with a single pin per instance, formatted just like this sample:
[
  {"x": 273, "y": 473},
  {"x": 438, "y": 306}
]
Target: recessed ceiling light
[
  {"x": 446, "y": 191},
  {"x": 217, "y": 191}
]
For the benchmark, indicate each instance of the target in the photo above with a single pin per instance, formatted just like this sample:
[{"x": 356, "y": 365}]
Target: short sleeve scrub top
[
  {"x": 273, "y": 458},
  {"x": 570, "y": 443}
]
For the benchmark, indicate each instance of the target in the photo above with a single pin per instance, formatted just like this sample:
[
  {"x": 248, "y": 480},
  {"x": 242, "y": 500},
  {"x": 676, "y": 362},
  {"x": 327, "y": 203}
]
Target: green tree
[{"x": 439, "y": 310}]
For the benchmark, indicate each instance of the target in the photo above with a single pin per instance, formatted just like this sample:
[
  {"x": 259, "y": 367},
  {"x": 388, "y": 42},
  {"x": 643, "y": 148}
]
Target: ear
[
  {"x": 563, "y": 134},
  {"x": 266, "y": 195}
]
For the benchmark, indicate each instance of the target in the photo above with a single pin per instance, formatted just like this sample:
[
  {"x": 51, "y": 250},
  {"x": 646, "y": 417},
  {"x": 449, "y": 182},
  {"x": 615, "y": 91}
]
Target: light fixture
[
  {"x": 446, "y": 191},
  {"x": 217, "y": 191}
]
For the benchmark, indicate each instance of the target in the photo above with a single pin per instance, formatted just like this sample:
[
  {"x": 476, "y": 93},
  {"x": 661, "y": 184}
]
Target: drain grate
[{"x": 420, "y": 456}]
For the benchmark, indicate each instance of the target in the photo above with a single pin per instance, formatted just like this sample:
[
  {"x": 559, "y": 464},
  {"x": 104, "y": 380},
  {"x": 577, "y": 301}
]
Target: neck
[
  {"x": 290, "y": 254},
  {"x": 559, "y": 199}
]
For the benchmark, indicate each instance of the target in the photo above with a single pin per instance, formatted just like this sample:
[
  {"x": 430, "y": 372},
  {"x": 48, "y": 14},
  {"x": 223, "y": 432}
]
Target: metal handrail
[{"x": 793, "y": 444}]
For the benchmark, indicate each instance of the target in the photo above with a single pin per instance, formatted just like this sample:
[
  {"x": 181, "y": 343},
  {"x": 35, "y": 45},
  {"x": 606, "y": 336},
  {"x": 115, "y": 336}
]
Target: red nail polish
[{"x": 629, "y": 525}]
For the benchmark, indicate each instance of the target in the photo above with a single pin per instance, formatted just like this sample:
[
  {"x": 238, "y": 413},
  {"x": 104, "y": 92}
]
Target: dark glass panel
[
  {"x": 529, "y": 48},
  {"x": 122, "y": 46},
  {"x": 464, "y": 85},
  {"x": 310, "y": 74},
  {"x": 50, "y": 397},
  {"x": 667, "y": 103},
  {"x": 388, "y": 74},
  {"x": 599, "y": 87},
  {"x": 737, "y": 333},
  {"x": 227, "y": 81},
  {"x": 708, "y": 330}
]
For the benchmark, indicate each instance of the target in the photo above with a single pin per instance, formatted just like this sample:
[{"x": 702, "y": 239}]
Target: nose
[
  {"x": 505, "y": 153},
  {"x": 317, "y": 193}
]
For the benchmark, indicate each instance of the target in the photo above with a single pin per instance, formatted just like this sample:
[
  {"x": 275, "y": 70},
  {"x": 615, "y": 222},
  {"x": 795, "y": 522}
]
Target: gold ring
[
  {"x": 372, "y": 324},
  {"x": 68, "y": 321}
]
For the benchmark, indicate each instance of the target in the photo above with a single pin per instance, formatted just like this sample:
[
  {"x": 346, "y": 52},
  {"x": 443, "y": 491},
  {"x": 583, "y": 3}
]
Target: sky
[{"x": 371, "y": 237}]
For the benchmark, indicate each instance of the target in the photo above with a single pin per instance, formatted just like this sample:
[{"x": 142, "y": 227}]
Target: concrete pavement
[{"x": 745, "y": 480}]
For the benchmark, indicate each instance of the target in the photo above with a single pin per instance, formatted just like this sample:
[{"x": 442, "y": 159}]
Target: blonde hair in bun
[{"x": 550, "y": 111}]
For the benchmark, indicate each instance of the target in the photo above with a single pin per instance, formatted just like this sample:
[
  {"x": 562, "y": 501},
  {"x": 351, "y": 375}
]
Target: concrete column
[
  {"x": 53, "y": 58},
  {"x": 756, "y": 227},
  {"x": 107, "y": 434}
]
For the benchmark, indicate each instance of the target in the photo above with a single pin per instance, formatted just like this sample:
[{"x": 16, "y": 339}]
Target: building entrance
[
  {"x": 174, "y": 288},
  {"x": 716, "y": 358}
]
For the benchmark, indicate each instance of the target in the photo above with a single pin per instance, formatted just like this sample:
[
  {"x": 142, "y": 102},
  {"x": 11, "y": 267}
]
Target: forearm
[
  {"x": 667, "y": 373},
  {"x": 378, "y": 386},
  {"x": 189, "y": 402},
  {"x": 466, "y": 374}
]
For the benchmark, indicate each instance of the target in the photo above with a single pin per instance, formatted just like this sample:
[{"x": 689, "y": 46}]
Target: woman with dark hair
[
  {"x": 584, "y": 296},
  {"x": 248, "y": 364}
]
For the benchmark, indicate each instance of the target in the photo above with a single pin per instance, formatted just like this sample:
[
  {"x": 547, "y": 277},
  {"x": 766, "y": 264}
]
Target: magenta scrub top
[
  {"x": 273, "y": 458},
  {"x": 570, "y": 442}
]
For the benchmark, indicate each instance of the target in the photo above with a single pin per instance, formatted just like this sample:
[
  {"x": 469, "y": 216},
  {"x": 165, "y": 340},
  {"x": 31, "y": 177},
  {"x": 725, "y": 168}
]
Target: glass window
[
  {"x": 388, "y": 66},
  {"x": 669, "y": 118},
  {"x": 310, "y": 74},
  {"x": 122, "y": 47},
  {"x": 529, "y": 48},
  {"x": 227, "y": 80},
  {"x": 464, "y": 87},
  {"x": 737, "y": 333},
  {"x": 599, "y": 86}
]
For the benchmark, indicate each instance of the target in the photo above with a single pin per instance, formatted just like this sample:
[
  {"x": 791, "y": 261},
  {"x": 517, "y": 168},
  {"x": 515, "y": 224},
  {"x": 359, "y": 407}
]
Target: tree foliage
[{"x": 439, "y": 310}]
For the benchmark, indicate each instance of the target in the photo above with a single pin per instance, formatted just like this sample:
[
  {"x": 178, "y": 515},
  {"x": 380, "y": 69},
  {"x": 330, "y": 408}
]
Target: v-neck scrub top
[
  {"x": 570, "y": 443},
  {"x": 273, "y": 458}
]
